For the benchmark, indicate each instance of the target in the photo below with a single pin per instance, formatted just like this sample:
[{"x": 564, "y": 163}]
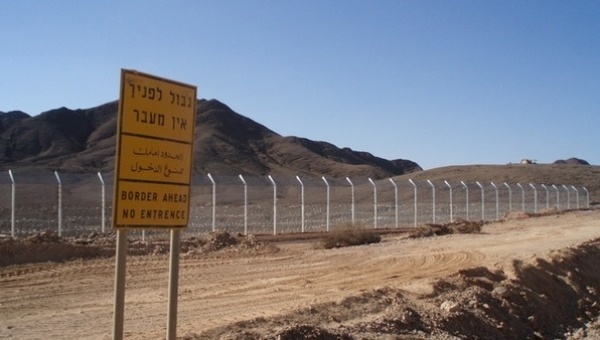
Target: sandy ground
[{"x": 266, "y": 291}]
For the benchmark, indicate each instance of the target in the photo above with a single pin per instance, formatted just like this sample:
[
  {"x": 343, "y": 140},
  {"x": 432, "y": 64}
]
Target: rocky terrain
[{"x": 524, "y": 277}]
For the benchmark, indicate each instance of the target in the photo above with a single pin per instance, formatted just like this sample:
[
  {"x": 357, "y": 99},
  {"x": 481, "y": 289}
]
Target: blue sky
[{"x": 437, "y": 82}]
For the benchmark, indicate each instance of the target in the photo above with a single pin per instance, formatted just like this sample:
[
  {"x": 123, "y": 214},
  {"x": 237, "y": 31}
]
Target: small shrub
[
  {"x": 218, "y": 240},
  {"x": 349, "y": 235},
  {"x": 456, "y": 227},
  {"x": 466, "y": 227},
  {"x": 429, "y": 230}
]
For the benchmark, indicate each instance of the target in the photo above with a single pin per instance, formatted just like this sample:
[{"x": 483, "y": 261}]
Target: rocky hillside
[{"x": 226, "y": 143}]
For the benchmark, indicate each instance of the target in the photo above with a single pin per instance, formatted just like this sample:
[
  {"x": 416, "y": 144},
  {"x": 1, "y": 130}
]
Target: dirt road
[{"x": 74, "y": 300}]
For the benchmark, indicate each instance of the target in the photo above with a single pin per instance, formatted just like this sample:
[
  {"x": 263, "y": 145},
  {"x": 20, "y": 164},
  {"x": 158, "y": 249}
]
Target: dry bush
[
  {"x": 218, "y": 240},
  {"x": 429, "y": 230},
  {"x": 466, "y": 227},
  {"x": 456, "y": 227},
  {"x": 347, "y": 235}
]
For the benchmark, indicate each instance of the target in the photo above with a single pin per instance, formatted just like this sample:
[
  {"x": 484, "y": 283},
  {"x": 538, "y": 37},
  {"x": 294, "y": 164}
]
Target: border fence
[{"x": 76, "y": 204}]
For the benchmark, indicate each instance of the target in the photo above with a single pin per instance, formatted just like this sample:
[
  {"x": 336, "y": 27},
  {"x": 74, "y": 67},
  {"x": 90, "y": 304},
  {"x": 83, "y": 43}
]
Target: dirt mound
[
  {"x": 48, "y": 246},
  {"x": 309, "y": 333},
  {"x": 547, "y": 298}
]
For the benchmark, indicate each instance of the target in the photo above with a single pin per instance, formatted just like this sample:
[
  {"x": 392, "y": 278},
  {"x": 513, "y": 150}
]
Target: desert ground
[{"x": 526, "y": 276}]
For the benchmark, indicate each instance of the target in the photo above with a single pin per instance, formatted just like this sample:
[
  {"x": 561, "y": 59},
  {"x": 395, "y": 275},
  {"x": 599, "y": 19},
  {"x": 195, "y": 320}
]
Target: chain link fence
[{"x": 75, "y": 204}]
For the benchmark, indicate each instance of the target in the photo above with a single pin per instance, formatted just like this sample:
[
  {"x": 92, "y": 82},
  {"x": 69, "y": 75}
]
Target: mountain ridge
[{"x": 226, "y": 142}]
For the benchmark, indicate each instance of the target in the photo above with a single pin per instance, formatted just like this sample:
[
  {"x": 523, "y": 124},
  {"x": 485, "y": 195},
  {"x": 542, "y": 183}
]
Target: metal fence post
[
  {"x": 352, "y": 207},
  {"x": 432, "y": 201},
  {"x": 395, "y": 201},
  {"x": 415, "y": 196},
  {"x": 301, "y": 201},
  {"x": 245, "y": 204},
  {"x": 578, "y": 201},
  {"x": 374, "y": 203},
  {"x": 59, "y": 203},
  {"x": 535, "y": 198},
  {"x": 587, "y": 195},
  {"x": 482, "y": 201},
  {"x": 214, "y": 202},
  {"x": 547, "y": 196},
  {"x": 274, "y": 205},
  {"x": 451, "y": 204},
  {"x": 509, "y": 196},
  {"x": 577, "y": 193},
  {"x": 103, "y": 200},
  {"x": 568, "y": 196},
  {"x": 557, "y": 197},
  {"x": 522, "y": 197},
  {"x": 12, "y": 204},
  {"x": 327, "y": 216},
  {"x": 497, "y": 204},
  {"x": 467, "y": 199}
]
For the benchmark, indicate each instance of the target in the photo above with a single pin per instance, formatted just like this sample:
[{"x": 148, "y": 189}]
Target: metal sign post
[
  {"x": 173, "y": 284},
  {"x": 119, "y": 312}
]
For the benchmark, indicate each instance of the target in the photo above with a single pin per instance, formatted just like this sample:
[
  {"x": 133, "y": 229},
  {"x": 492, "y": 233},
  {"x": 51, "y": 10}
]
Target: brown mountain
[
  {"x": 572, "y": 161},
  {"x": 226, "y": 143}
]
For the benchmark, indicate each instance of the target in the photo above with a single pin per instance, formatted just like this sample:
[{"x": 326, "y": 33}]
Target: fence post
[
  {"x": 451, "y": 204},
  {"x": 352, "y": 207},
  {"x": 245, "y": 204},
  {"x": 557, "y": 196},
  {"x": 466, "y": 199},
  {"x": 509, "y": 196},
  {"x": 301, "y": 200},
  {"x": 482, "y": 201},
  {"x": 214, "y": 202},
  {"x": 274, "y": 205},
  {"x": 522, "y": 197},
  {"x": 577, "y": 193},
  {"x": 432, "y": 201},
  {"x": 374, "y": 203},
  {"x": 497, "y": 204},
  {"x": 535, "y": 198},
  {"x": 59, "y": 203},
  {"x": 103, "y": 199},
  {"x": 547, "y": 196},
  {"x": 395, "y": 201},
  {"x": 568, "y": 196},
  {"x": 415, "y": 196},
  {"x": 327, "y": 217},
  {"x": 12, "y": 204},
  {"x": 587, "y": 194}
]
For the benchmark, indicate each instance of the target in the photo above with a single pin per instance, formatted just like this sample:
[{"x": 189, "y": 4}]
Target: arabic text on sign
[
  {"x": 164, "y": 169},
  {"x": 158, "y": 153}
]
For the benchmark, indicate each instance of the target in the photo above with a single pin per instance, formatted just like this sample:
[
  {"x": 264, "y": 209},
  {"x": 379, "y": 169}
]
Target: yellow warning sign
[{"x": 154, "y": 153}]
